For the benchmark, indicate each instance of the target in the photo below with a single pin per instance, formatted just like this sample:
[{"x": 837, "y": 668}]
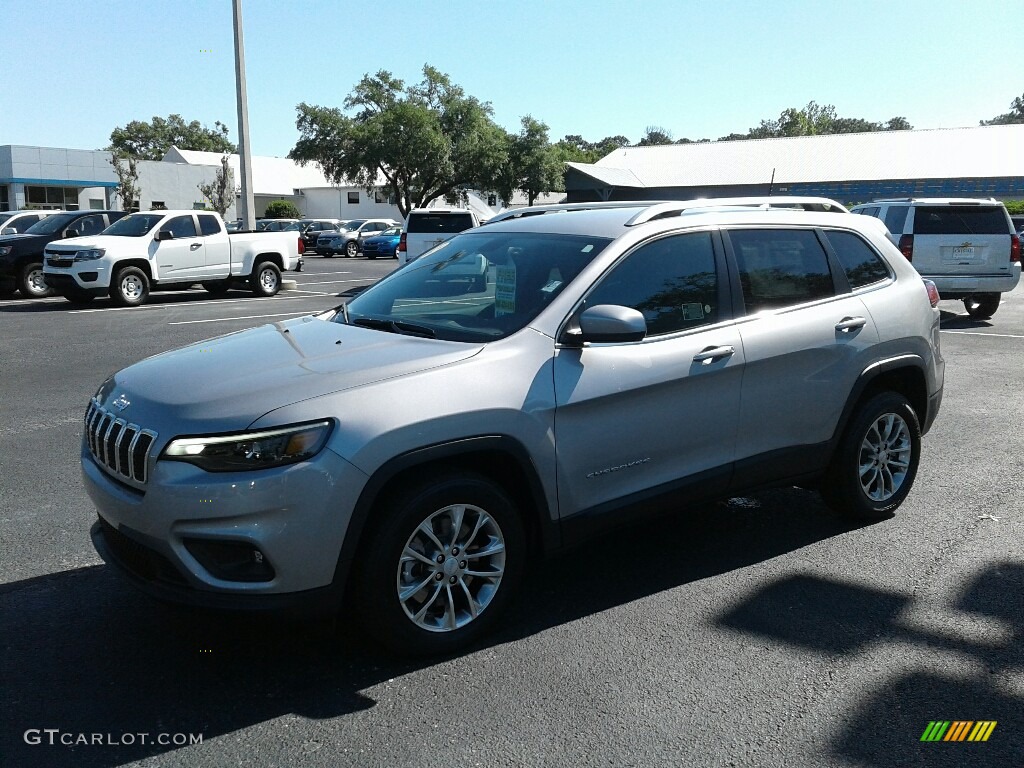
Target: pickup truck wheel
[
  {"x": 396, "y": 252},
  {"x": 266, "y": 279},
  {"x": 873, "y": 468},
  {"x": 982, "y": 306},
  {"x": 130, "y": 287},
  {"x": 441, "y": 565},
  {"x": 217, "y": 287},
  {"x": 352, "y": 249},
  {"x": 32, "y": 283}
]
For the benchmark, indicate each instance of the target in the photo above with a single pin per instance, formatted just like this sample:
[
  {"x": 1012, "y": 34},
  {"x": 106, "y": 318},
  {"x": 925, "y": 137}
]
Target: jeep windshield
[
  {"x": 475, "y": 287},
  {"x": 135, "y": 225}
]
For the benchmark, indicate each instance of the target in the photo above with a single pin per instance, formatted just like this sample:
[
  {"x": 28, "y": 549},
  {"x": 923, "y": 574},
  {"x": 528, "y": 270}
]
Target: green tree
[
  {"x": 815, "y": 120},
  {"x": 220, "y": 193},
  {"x": 282, "y": 209},
  {"x": 1014, "y": 116},
  {"x": 655, "y": 135},
  {"x": 150, "y": 141},
  {"x": 427, "y": 141},
  {"x": 127, "y": 172},
  {"x": 532, "y": 165}
]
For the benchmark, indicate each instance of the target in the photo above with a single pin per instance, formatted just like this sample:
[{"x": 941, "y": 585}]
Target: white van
[{"x": 428, "y": 227}]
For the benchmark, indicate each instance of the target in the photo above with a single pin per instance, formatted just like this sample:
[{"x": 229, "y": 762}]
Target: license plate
[{"x": 964, "y": 252}]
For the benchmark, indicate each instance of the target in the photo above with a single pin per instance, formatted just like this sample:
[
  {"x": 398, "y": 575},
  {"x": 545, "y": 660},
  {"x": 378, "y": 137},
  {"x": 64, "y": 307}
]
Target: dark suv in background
[{"x": 21, "y": 256}]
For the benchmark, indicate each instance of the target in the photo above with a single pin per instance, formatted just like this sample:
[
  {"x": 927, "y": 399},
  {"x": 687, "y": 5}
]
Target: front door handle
[
  {"x": 710, "y": 354},
  {"x": 848, "y": 324}
]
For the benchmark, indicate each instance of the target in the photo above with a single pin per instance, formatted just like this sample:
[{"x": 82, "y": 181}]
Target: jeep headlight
[
  {"x": 251, "y": 450},
  {"x": 90, "y": 255}
]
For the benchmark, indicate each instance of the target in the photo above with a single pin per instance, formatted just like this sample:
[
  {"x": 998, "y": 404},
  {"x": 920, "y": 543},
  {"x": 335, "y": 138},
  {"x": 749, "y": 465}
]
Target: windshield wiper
[{"x": 394, "y": 326}]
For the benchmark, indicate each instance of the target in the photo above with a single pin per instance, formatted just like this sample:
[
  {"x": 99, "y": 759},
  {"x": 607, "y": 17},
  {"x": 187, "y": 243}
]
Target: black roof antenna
[{"x": 771, "y": 183}]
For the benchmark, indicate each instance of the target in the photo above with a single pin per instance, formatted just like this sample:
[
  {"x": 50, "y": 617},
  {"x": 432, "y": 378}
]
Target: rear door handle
[
  {"x": 710, "y": 354},
  {"x": 195, "y": 246},
  {"x": 848, "y": 324}
]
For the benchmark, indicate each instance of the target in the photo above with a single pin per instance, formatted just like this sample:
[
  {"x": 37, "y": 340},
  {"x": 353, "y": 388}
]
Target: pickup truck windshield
[
  {"x": 135, "y": 225},
  {"x": 475, "y": 287},
  {"x": 51, "y": 224}
]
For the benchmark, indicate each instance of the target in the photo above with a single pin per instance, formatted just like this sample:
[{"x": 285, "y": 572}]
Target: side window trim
[{"x": 840, "y": 282}]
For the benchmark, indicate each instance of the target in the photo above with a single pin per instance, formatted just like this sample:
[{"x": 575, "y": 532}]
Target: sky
[{"x": 74, "y": 70}]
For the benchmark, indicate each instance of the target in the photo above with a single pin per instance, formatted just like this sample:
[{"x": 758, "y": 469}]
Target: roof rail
[
  {"x": 538, "y": 210},
  {"x": 961, "y": 200},
  {"x": 778, "y": 202}
]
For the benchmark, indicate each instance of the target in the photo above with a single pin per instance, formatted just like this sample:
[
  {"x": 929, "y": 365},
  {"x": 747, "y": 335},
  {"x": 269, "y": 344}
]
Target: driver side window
[{"x": 672, "y": 281}]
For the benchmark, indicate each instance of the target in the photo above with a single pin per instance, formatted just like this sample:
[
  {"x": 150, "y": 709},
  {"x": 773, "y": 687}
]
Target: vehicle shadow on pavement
[
  {"x": 155, "y": 300},
  {"x": 960, "y": 320},
  {"x": 85, "y": 653},
  {"x": 961, "y": 680}
]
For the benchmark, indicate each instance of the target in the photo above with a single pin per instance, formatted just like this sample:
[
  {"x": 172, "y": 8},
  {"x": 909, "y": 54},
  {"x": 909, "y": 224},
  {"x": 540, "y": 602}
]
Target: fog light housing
[{"x": 231, "y": 560}]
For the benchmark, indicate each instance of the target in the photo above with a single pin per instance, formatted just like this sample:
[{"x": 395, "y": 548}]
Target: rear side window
[
  {"x": 895, "y": 218},
  {"x": 862, "y": 265},
  {"x": 779, "y": 268},
  {"x": 872, "y": 211},
  {"x": 960, "y": 220},
  {"x": 439, "y": 222},
  {"x": 671, "y": 281},
  {"x": 20, "y": 225},
  {"x": 209, "y": 225}
]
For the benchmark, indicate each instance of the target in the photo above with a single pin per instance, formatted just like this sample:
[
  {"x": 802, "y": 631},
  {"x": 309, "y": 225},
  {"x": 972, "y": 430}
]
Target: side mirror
[
  {"x": 165, "y": 234},
  {"x": 611, "y": 323}
]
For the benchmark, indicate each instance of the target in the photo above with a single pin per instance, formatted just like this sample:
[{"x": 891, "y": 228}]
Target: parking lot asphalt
[{"x": 754, "y": 632}]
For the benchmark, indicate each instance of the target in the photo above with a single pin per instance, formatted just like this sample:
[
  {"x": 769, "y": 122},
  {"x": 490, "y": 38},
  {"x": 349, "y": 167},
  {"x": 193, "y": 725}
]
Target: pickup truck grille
[
  {"x": 63, "y": 263},
  {"x": 118, "y": 446}
]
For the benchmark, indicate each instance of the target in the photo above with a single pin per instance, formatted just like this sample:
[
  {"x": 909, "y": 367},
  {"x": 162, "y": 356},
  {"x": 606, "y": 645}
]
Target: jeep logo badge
[{"x": 121, "y": 402}]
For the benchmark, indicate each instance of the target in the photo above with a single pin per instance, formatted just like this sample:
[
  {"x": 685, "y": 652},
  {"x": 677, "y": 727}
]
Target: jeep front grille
[{"x": 122, "y": 448}]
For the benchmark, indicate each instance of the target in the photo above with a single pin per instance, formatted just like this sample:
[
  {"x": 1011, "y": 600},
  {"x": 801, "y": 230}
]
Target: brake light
[
  {"x": 302, "y": 246},
  {"x": 401, "y": 244},
  {"x": 907, "y": 246},
  {"x": 933, "y": 293},
  {"x": 1014, "y": 249}
]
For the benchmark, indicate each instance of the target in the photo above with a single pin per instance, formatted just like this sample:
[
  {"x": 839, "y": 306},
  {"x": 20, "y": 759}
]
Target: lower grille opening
[{"x": 139, "y": 559}]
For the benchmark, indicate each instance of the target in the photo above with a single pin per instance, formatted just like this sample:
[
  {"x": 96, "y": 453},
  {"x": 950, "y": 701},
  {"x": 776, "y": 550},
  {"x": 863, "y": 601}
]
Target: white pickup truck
[{"x": 168, "y": 250}]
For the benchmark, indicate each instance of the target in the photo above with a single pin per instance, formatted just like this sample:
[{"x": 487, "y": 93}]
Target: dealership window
[
  {"x": 379, "y": 197},
  {"x": 353, "y": 198},
  {"x": 52, "y": 198},
  {"x": 5, "y": 200},
  {"x": 200, "y": 206},
  {"x": 96, "y": 204}
]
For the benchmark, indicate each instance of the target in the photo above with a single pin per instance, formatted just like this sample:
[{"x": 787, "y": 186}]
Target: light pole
[{"x": 248, "y": 207}]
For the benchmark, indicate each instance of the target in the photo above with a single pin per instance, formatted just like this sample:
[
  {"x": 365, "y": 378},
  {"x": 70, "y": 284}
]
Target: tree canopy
[
  {"x": 1014, "y": 116},
  {"x": 150, "y": 141},
  {"x": 815, "y": 120},
  {"x": 426, "y": 141},
  {"x": 532, "y": 165}
]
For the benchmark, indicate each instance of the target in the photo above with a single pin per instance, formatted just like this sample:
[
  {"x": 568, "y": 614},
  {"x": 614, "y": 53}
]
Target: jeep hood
[{"x": 227, "y": 383}]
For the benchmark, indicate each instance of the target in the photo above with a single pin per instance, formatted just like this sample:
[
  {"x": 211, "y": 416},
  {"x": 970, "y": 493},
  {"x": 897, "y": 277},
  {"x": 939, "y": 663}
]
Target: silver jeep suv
[{"x": 513, "y": 390}]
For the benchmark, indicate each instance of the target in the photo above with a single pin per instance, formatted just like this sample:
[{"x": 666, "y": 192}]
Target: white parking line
[
  {"x": 328, "y": 282},
  {"x": 979, "y": 333},
  {"x": 185, "y": 304},
  {"x": 243, "y": 317}
]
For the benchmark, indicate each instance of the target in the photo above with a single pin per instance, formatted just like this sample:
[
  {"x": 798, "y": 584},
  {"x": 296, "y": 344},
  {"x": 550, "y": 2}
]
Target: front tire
[
  {"x": 351, "y": 249},
  {"x": 441, "y": 565},
  {"x": 32, "y": 283},
  {"x": 266, "y": 279},
  {"x": 874, "y": 466},
  {"x": 982, "y": 306},
  {"x": 130, "y": 287}
]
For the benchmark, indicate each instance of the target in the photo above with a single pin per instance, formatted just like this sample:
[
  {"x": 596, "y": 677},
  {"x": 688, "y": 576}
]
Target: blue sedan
[{"x": 384, "y": 245}]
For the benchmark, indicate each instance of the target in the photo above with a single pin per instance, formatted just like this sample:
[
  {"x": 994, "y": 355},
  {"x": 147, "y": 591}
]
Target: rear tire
[
  {"x": 875, "y": 463},
  {"x": 31, "y": 282},
  {"x": 130, "y": 287},
  {"x": 415, "y": 605},
  {"x": 352, "y": 249},
  {"x": 981, "y": 306},
  {"x": 266, "y": 279}
]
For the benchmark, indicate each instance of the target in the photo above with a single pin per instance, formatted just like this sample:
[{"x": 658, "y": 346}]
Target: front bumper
[
  {"x": 295, "y": 517},
  {"x": 70, "y": 283}
]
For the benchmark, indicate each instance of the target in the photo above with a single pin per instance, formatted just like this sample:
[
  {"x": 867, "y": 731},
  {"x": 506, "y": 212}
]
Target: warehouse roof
[{"x": 989, "y": 151}]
